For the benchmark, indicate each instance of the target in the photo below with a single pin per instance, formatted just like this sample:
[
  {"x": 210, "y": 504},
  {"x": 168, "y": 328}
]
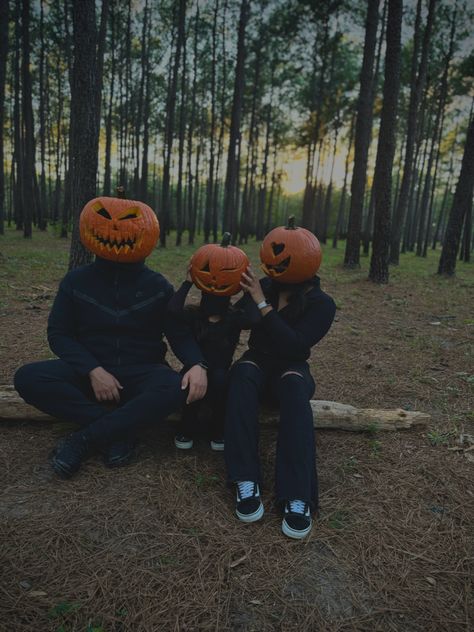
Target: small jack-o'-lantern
[
  {"x": 118, "y": 229},
  {"x": 290, "y": 254},
  {"x": 217, "y": 269}
]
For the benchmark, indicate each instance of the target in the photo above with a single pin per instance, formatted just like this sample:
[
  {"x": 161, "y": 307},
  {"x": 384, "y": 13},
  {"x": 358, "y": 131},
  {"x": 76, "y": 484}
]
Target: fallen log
[{"x": 332, "y": 415}]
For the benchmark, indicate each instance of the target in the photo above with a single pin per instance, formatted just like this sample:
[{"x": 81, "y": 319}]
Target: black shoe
[
  {"x": 297, "y": 521},
  {"x": 217, "y": 444},
  {"x": 69, "y": 454},
  {"x": 248, "y": 507},
  {"x": 118, "y": 453},
  {"x": 183, "y": 442}
]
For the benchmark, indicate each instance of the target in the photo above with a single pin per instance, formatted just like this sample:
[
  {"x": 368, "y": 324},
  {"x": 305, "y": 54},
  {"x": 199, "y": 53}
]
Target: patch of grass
[
  {"x": 437, "y": 437},
  {"x": 206, "y": 480},
  {"x": 375, "y": 447},
  {"x": 339, "y": 520},
  {"x": 63, "y": 608}
]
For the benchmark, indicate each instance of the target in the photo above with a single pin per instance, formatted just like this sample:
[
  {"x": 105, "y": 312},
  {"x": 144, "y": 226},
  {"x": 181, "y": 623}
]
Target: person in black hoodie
[
  {"x": 216, "y": 325},
  {"x": 106, "y": 326},
  {"x": 293, "y": 318}
]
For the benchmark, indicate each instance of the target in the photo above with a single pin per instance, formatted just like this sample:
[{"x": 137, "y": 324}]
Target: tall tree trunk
[
  {"x": 169, "y": 131},
  {"x": 418, "y": 79},
  {"x": 212, "y": 131},
  {"x": 42, "y": 121},
  {"x": 342, "y": 201},
  {"x": 462, "y": 203},
  {"x": 362, "y": 138},
  {"x": 233, "y": 162},
  {"x": 192, "y": 120},
  {"x": 108, "y": 121},
  {"x": 84, "y": 132},
  {"x": 143, "y": 195},
  {"x": 3, "y": 68},
  {"x": 386, "y": 146},
  {"x": 181, "y": 134}
]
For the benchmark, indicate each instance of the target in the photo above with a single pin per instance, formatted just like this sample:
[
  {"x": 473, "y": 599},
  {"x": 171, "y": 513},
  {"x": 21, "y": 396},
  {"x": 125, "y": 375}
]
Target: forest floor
[{"x": 155, "y": 546}]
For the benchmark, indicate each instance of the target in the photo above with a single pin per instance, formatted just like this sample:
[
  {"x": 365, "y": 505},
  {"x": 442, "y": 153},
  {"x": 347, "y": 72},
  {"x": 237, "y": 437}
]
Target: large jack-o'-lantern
[
  {"x": 217, "y": 269},
  {"x": 119, "y": 229},
  {"x": 290, "y": 254}
]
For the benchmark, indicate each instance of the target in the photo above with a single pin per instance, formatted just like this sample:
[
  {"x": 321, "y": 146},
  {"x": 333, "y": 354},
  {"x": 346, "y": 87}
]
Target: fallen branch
[{"x": 332, "y": 415}]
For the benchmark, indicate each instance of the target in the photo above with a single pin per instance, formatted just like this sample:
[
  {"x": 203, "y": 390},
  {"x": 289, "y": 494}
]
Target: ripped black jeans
[{"x": 291, "y": 386}]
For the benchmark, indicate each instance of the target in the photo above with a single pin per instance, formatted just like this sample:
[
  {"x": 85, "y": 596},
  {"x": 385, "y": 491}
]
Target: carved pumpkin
[
  {"x": 118, "y": 229},
  {"x": 290, "y": 254},
  {"x": 217, "y": 269}
]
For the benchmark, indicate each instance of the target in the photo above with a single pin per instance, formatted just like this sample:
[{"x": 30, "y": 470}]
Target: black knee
[
  {"x": 293, "y": 384},
  {"x": 26, "y": 380},
  {"x": 246, "y": 371}
]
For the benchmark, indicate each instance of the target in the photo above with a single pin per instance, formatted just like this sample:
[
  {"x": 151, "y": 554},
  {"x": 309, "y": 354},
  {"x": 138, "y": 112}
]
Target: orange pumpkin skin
[
  {"x": 290, "y": 254},
  {"x": 117, "y": 229},
  {"x": 217, "y": 269}
]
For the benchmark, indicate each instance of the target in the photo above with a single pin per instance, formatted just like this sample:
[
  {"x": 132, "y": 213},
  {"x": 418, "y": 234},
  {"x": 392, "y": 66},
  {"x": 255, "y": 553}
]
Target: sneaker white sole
[
  {"x": 217, "y": 447},
  {"x": 184, "y": 445},
  {"x": 296, "y": 534},
  {"x": 253, "y": 517}
]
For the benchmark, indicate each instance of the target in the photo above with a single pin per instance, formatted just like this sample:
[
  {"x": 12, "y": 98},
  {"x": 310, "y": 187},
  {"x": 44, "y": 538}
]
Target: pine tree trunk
[
  {"x": 108, "y": 120},
  {"x": 3, "y": 68},
  {"x": 169, "y": 131},
  {"x": 462, "y": 203},
  {"x": 418, "y": 79},
  {"x": 233, "y": 163},
  {"x": 84, "y": 132},
  {"x": 362, "y": 138},
  {"x": 386, "y": 146}
]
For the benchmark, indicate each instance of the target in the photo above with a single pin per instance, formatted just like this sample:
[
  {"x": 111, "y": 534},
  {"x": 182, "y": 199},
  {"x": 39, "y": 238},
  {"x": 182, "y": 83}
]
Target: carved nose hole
[{"x": 277, "y": 248}]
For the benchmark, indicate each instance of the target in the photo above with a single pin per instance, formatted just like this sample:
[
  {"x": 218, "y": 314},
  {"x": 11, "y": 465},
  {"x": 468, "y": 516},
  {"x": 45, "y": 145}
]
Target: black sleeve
[
  {"x": 176, "y": 304},
  {"x": 61, "y": 334},
  {"x": 245, "y": 313},
  {"x": 181, "y": 339},
  {"x": 295, "y": 342}
]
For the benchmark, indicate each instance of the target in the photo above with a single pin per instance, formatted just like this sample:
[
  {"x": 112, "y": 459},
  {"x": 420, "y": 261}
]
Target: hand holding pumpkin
[
  {"x": 251, "y": 284},
  {"x": 188, "y": 272},
  {"x": 106, "y": 387}
]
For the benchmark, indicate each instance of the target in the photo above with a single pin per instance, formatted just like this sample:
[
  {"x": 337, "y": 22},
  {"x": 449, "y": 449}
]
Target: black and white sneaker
[
  {"x": 297, "y": 521},
  {"x": 183, "y": 442},
  {"x": 217, "y": 444},
  {"x": 248, "y": 506},
  {"x": 69, "y": 454}
]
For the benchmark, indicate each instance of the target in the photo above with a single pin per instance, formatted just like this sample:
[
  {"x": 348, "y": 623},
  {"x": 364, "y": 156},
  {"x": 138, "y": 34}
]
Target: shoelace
[
  {"x": 246, "y": 489},
  {"x": 297, "y": 506}
]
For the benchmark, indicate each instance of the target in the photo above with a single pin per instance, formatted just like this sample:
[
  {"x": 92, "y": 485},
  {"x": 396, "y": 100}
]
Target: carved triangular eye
[
  {"x": 277, "y": 248},
  {"x": 101, "y": 211},
  {"x": 206, "y": 267},
  {"x": 132, "y": 213}
]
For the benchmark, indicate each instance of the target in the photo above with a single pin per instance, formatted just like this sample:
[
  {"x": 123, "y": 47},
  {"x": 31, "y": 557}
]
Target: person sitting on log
[
  {"x": 217, "y": 271},
  {"x": 294, "y": 315},
  {"x": 106, "y": 326}
]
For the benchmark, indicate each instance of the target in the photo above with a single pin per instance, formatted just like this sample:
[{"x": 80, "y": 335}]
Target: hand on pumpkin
[
  {"x": 106, "y": 387},
  {"x": 251, "y": 284},
  {"x": 188, "y": 272},
  {"x": 196, "y": 379}
]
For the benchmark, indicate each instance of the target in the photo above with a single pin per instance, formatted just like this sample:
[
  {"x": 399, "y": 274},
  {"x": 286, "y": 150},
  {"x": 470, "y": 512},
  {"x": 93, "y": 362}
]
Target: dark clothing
[
  {"x": 150, "y": 393},
  {"x": 289, "y": 334},
  {"x": 114, "y": 314},
  {"x": 216, "y": 397},
  {"x": 295, "y": 467},
  {"x": 280, "y": 343},
  {"x": 111, "y": 315},
  {"x": 217, "y": 341}
]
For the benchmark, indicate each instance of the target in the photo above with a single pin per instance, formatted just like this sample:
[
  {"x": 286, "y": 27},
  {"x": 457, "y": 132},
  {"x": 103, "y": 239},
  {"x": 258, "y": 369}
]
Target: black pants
[
  {"x": 291, "y": 386},
  {"x": 216, "y": 396},
  {"x": 150, "y": 393}
]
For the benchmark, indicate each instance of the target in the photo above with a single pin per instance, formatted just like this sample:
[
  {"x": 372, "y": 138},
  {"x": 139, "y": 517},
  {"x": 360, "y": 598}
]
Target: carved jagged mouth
[
  {"x": 211, "y": 288},
  {"x": 124, "y": 245},
  {"x": 279, "y": 268}
]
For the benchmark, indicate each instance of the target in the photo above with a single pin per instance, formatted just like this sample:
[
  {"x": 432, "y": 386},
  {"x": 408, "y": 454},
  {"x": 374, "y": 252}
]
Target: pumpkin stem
[
  {"x": 226, "y": 240},
  {"x": 291, "y": 223},
  {"x": 121, "y": 192}
]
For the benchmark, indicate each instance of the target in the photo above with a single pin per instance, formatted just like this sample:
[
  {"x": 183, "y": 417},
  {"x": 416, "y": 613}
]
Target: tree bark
[
  {"x": 233, "y": 162},
  {"x": 362, "y": 138},
  {"x": 386, "y": 146},
  {"x": 3, "y": 67},
  {"x": 84, "y": 133},
  {"x": 462, "y": 202}
]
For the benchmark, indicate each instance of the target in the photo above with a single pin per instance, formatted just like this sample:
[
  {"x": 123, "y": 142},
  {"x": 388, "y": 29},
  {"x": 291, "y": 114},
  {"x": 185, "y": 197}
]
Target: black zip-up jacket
[
  {"x": 114, "y": 314},
  {"x": 289, "y": 334}
]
